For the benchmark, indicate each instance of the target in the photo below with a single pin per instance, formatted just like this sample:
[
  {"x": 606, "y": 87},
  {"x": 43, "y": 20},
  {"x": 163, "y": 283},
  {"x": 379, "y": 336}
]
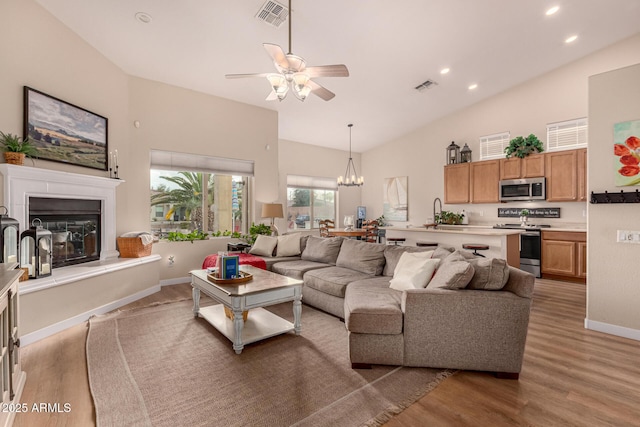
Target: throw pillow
[
  {"x": 264, "y": 245},
  {"x": 288, "y": 245},
  {"x": 452, "y": 274},
  {"x": 490, "y": 274},
  {"x": 322, "y": 249},
  {"x": 414, "y": 270}
]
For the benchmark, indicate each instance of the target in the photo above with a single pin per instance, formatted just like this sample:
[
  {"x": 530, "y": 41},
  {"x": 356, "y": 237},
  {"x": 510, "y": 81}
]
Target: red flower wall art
[{"x": 626, "y": 149}]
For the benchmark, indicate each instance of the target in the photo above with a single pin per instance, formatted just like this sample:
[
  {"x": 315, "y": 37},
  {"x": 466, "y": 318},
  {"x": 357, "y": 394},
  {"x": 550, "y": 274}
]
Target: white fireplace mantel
[{"x": 22, "y": 182}]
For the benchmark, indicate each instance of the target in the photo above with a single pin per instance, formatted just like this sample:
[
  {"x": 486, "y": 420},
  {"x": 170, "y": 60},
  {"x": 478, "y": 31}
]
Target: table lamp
[{"x": 273, "y": 211}]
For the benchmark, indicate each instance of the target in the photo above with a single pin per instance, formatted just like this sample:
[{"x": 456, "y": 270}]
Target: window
[
  {"x": 192, "y": 192},
  {"x": 492, "y": 146},
  {"x": 567, "y": 135},
  {"x": 309, "y": 200}
]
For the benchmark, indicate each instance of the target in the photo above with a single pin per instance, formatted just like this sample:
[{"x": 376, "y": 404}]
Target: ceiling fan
[{"x": 294, "y": 74}]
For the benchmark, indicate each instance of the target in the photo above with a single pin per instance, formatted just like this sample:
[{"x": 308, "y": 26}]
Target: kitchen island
[{"x": 503, "y": 243}]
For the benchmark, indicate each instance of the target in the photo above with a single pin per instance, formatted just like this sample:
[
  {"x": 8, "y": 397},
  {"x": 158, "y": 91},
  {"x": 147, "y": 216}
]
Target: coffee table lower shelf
[{"x": 260, "y": 324}]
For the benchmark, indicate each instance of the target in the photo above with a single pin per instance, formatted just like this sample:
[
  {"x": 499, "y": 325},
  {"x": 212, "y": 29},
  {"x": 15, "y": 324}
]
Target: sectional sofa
[{"x": 473, "y": 314}]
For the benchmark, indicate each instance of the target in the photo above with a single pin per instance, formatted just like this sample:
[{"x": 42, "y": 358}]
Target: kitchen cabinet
[
  {"x": 561, "y": 170},
  {"x": 531, "y": 166},
  {"x": 582, "y": 174},
  {"x": 456, "y": 183},
  {"x": 484, "y": 181},
  {"x": 564, "y": 254},
  {"x": 12, "y": 378}
]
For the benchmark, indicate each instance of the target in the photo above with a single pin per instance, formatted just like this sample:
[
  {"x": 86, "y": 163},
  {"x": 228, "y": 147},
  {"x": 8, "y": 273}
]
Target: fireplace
[
  {"x": 74, "y": 225},
  {"x": 73, "y": 206}
]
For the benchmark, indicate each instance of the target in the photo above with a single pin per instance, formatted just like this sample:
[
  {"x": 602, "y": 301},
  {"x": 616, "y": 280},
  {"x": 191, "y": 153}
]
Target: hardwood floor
[{"x": 570, "y": 377}]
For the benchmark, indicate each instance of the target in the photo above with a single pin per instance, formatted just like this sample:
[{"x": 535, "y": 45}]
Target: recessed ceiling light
[
  {"x": 143, "y": 17},
  {"x": 553, "y": 10},
  {"x": 444, "y": 71},
  {"x": 571, "y": 39},
  {"x": 473, "y": 86}
]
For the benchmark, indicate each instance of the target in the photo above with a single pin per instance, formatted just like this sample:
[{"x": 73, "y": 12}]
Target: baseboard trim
[
  {"x": 610, "y": 329},
  {"x": 176, "y": 281},
  {"x": 35, "y": 336}
]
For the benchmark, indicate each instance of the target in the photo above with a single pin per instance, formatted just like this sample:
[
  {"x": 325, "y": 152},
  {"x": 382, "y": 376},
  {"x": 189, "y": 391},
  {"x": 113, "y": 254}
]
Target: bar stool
[
  {"x": 423, "y": 244},
  {"x": 396, "y": 240},
  {"x": 476, "y": 247}
]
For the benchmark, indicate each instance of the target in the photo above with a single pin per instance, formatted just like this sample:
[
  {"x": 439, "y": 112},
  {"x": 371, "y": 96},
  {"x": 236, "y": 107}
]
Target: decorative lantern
[
  {"x": 453, "y": 153},
  {"x": 465, "y": 154},
  {"x": 35, "y": 250},
  {"x": 9, "y": 237}
]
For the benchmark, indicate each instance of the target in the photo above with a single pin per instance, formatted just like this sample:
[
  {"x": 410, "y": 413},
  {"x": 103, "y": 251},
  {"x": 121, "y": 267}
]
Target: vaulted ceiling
[{"x": 390, "y": 47}]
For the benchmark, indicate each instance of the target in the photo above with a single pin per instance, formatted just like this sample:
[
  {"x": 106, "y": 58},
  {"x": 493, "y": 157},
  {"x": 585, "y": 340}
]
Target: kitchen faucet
[{"x": 435, "y": 221}]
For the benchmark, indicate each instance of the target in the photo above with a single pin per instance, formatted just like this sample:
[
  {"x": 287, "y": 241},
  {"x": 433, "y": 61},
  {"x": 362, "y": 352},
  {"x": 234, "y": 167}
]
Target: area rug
[{"x": 160, "y": 366}]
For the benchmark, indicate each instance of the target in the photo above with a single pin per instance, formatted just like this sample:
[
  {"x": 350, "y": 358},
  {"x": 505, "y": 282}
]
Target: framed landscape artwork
[
  {"x": 626, "y": 151},
  {"x": 63, "y": 132}
]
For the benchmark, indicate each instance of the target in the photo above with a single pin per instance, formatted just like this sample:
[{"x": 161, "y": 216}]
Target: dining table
[{"x": 353, "y": 232}]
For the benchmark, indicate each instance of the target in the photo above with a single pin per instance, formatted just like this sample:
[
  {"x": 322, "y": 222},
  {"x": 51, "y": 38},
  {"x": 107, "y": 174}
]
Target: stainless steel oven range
[{"x": 530, "y": 246}]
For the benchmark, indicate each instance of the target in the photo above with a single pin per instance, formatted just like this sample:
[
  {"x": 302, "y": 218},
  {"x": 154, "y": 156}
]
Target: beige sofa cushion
[
  {"x": 371, "y": 307},
  {"x": 490, "y": 274},
  {"x": 361, "y": 256},
  {"x": 454, "y": 272},
  {"x": 414, "y": 271},
  {"x": 322, "y": 249},
  {"x": 288, "y": 245},
  {"x": 392, "y": 254},
  {"x": 264, "y": 246},
  {"x": 332, "y": 280}
]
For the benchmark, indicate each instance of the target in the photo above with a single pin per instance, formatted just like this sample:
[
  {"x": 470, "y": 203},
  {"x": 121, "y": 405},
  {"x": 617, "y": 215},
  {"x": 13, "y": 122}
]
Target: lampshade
[
  {"x": 279, "y": 84},
  {"x": 272, "y": 210}
]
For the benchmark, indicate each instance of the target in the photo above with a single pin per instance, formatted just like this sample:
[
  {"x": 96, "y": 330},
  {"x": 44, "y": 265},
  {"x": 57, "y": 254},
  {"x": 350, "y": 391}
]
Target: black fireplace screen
[{"x": 74, "y": 225}]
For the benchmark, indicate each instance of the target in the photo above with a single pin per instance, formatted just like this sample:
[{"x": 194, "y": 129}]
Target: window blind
[
  {"x": 168, "y": 160},
  {"x": 312, "y": 182},
  {"x": 567, "y": 135},
  {"x": 492, "y": 146}
]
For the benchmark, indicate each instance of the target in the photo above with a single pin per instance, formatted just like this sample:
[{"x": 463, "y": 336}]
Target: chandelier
[{"x": 351, "y": 178}]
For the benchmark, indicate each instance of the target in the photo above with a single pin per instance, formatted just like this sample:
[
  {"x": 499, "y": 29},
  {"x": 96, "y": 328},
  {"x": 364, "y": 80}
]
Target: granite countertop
[{"x": 8, "y": 273}]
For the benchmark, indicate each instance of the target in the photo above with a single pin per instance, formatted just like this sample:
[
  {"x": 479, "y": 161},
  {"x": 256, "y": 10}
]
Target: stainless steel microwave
[{"x": 523, "y": 189}]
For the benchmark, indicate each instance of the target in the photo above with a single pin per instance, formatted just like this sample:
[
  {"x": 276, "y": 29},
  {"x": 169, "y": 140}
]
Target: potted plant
[
  {"x": 15, "y": 148},
  {"x": 522, "y": 147},
  {"x": 447, "y": 217},
  {"x": 524, "y": 213}
]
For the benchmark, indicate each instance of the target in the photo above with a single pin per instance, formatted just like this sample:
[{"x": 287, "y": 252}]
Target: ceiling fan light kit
[
  {"x": 294, "y": 74},
  {"x": 350, "y": 178}
]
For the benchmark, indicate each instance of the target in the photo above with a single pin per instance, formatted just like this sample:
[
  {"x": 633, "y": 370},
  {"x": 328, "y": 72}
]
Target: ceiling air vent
[
  {"x": 425, "y": 85},
  {"x": 273, "y": 13}
]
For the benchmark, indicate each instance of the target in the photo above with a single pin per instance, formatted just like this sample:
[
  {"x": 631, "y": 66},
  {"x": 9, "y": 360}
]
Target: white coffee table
[{"x": 265, "y": 289}]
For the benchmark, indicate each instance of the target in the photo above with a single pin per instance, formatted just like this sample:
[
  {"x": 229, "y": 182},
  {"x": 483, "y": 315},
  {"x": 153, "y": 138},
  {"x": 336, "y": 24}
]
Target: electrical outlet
[
  {"x": 625, "y": 236},
  {"x": 171, "y": 260}
]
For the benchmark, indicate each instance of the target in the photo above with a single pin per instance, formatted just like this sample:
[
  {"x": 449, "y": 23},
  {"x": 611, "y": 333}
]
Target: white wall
[
  {"x": 36, "y": 50},
  {"x": 613, "y": 284},
  {"x": 310, "y": 160},
  {"x": 420, "y": 155}
]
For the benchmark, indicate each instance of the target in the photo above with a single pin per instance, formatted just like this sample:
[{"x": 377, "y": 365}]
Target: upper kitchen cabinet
[
  {"x": 484, "y": 183},
  {"x": 456, "y": 183},
  {"x": 562, "y": 176},
  {"x": 531, "y": 166}
]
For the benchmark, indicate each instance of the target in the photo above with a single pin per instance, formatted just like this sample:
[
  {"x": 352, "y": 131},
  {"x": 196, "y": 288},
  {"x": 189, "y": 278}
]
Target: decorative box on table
[{"x": 135, "y": 244}]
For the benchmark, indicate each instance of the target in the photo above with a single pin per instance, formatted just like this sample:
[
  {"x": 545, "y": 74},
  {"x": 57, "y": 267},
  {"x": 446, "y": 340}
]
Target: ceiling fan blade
[
  {"x": 242, "y": 76},
  {"x": 321, "y": 91},
  {"x": 277, "y": 54},
  {"x": 338, "y": 70}
]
